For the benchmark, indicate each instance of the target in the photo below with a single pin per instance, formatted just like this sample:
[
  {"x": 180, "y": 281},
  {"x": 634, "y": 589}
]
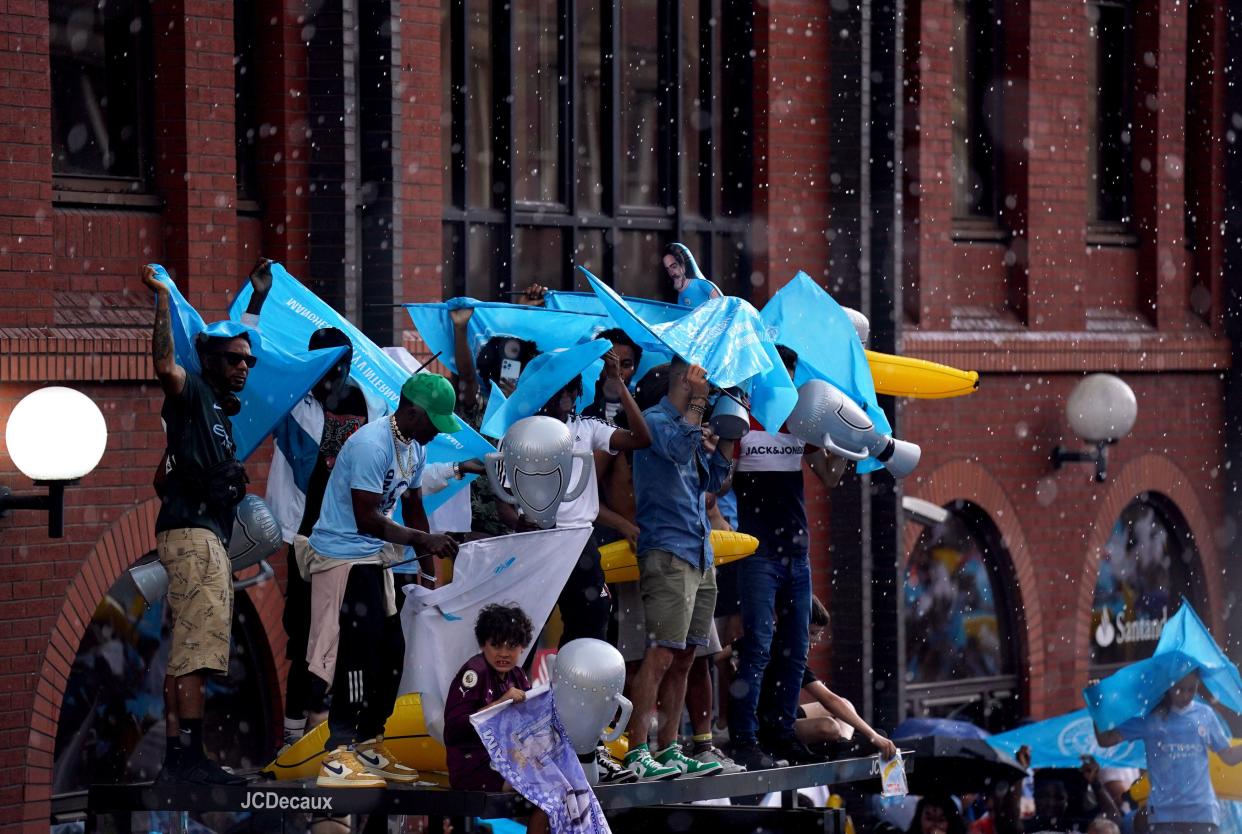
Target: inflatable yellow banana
[
  {"x": 621, "y": 564},
  {"x": 902, "y": 376},
  {"x": 1226, "y": 780},
  {"x": 405, "y": 733}
]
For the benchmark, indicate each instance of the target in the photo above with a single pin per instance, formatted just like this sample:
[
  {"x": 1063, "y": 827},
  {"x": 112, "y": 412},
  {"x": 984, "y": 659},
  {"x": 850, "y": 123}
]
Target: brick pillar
[
  {"x": 195, "y": 154},
  {"x": 26, "y": 281}
]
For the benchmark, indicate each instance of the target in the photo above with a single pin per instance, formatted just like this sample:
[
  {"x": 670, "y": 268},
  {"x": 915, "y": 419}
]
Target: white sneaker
[
  {"x": 341, "y": 769},
  {"x": 379, "y": 761},
  {"x": 715, "y": 754}
]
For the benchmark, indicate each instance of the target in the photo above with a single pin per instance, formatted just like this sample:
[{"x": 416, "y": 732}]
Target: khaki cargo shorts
[
  {"x": 200, "y": 599},
  {"x": 678, "y": 600}
]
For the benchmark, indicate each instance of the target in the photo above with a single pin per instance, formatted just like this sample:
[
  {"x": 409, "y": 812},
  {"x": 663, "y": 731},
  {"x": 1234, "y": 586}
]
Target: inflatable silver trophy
[
  {"x": 861, "y": 325},
  {"x": 730, "y": 418},
  {"x": 825, "y": 416},
  {"x": 536, "y": 459},
  {"x": 587, "y": 678},
  {"x": 256, "y": 535}
]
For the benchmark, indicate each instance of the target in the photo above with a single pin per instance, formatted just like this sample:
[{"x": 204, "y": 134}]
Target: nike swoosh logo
[{"x": 337, "y": 769}]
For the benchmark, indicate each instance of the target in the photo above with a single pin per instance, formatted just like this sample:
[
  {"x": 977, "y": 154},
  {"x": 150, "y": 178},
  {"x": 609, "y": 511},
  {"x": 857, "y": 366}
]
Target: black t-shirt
[
  {"x": 341, "y": 418},
  {"x": 768, "y": 484},
  {"x": 199, "y": 437}
]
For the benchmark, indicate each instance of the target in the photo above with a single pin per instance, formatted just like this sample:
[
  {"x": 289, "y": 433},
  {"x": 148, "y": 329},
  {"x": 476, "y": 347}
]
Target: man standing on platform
[
  {"x": 675, "y": 577},
  {"x": 200, "y": 481}
]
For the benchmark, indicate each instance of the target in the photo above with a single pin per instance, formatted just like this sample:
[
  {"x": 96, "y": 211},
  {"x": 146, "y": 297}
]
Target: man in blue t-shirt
[
  {"x": 692, "y": 288},
  {"x": 1178, "y": 734},
  {"x": 356, "y": 641}
]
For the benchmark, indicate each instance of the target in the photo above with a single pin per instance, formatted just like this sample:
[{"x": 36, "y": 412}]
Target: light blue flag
[
  {"x": 805, "y": 318},
  {"x": 1185, "y": 646},
  {"x": 546, "y": 374},
  {"x": 528, "y": 746},
  {"x": 1064, "y": 740},
  {"x": 292, "y": 313},
  {"x": 277, "y": 382},
  {"x": 548, "y": 329},
  {"x": 652, "y": 312},
  {"x": 726, "y": 337}
]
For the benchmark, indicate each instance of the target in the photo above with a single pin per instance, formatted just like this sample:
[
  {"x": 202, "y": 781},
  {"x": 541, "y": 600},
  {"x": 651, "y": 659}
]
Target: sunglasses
[{"x": 233, "y": 358}]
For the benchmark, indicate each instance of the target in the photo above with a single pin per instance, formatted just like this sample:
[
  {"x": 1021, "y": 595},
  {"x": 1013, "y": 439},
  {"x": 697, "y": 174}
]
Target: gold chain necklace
[{"x": 398, "y": 440}]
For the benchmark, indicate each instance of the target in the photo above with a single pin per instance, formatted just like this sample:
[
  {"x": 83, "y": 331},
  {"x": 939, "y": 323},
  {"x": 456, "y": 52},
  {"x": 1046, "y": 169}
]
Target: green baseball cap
[{"x": 434, "y": 394}]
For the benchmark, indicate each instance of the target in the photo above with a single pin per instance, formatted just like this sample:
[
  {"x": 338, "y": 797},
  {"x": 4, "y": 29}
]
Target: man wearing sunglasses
[{"x": 200, "y": 482}]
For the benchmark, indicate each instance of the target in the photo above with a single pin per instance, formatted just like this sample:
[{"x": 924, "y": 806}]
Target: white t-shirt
[
  {"x": 367, "y": 462},
  {"x": 762, "y": 451},
  {"x": 590, "y": 435}
]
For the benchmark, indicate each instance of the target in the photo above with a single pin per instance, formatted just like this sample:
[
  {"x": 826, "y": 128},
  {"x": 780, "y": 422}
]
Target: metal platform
[{"x": 634, "y": 804}]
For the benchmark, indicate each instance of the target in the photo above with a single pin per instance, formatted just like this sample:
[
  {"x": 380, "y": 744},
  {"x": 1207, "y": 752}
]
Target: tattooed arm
[{"x": 171, "y": 375}]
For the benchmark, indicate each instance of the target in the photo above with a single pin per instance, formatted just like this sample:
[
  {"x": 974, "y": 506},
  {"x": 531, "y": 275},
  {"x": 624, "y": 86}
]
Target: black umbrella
[{"x": 942, "y": 764}]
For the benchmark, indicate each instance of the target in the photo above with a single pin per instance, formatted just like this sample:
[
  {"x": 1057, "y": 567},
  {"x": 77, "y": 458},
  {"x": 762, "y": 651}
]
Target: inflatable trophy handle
[
  {"x": 494, "y": 461},
  {"x": 842, "y": 452},
  {"x": 627, "y": 707},
  {"x": 584, "y": 478}
]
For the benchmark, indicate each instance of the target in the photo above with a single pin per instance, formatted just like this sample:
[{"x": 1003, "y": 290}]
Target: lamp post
[
  {"x": 1101, "y": 410},
  {"x": 55, "y": 436}
]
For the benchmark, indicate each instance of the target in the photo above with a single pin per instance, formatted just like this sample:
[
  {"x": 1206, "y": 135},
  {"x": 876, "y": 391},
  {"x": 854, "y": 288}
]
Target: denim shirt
[{"x": 671, "y": 479}]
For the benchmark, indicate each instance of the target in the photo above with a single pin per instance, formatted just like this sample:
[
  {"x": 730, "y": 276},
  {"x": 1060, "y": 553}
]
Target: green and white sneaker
[
  {"x": 672, "y": 756},
  {"x": 639, "y": 762}
]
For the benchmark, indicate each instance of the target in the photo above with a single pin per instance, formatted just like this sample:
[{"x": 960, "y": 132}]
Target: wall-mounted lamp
[
  {"x": 55, "y": 436},
  {"x": 1101, "y": 410}
]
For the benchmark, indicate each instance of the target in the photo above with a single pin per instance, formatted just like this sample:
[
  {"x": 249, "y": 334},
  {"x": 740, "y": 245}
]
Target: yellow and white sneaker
[
  {"x": 378, "y": 760},
  {"x": 341, "y": 769}
]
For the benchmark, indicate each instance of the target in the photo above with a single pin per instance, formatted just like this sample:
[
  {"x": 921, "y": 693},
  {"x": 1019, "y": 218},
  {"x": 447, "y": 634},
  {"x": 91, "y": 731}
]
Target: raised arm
[
  {"x": 261, "y": 283},
  {"x": 1107, "y": 738},
  {"x": 163, "y": 355},
  {"x": 637, "y": 436},
  {"x": 467, "y": 378}
]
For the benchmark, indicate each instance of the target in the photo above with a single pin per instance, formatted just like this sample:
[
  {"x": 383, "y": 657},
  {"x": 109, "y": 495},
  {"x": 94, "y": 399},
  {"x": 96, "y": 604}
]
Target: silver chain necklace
[{"x": 398, "y": 440}]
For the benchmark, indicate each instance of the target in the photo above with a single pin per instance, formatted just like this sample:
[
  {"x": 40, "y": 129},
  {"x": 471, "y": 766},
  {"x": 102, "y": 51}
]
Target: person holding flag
[
  {"x": 356, "y": 639},
  {"x": 199, "y": 483}
]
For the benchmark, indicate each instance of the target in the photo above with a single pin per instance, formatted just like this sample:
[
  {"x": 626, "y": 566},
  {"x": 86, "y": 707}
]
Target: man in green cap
[{"x": 355, "y": 640}]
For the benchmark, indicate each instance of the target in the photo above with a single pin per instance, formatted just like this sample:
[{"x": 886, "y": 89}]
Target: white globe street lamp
[
  {"x": 55, "y": 436},
  {"x": 1101, "y": 410}
]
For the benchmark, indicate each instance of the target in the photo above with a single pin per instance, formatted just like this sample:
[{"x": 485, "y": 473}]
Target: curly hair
[{"x": 502, "y": 625}]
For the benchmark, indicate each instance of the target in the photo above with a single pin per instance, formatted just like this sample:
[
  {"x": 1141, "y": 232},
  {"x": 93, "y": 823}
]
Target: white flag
[{"x": 529, "y": 569}]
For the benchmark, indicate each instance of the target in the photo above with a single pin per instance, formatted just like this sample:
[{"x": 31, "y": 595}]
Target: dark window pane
[
  {"x": 538, "y": 256},
  {"x": 98, "y": 87},
  {"x": 589, "y": 252},
  {"x": 245, "y": 99},
  {"x": 729, "y": 269},
  {"x": 483, "y": 258},
  {"x": 589, "y": 109},
  {"x": 976, "y": 92},
  {"x": 639, "y": 103},
  {"x": 452, "y": 281},
  {"x": 638, "y": 268},
  {"x": 536, "y": 134},
  {"x": 479, "y": 143},
  {"x": 695, "y": 111},
  {"x": 953, "y": 627},
  {"x": 1110, "y": 120}
]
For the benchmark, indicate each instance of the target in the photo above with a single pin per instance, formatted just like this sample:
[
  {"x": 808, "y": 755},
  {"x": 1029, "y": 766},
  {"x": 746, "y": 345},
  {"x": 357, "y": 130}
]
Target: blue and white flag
[
  {"x": 652, "y": 312},
  {"x": 547, "y": 374},
  {"x": 276, "y": 383},
  {"x": 802, "y": 316},
  {"x": 439, "y": 624},
  {"x": 548, "y": 329},
  {"x": 291, "y": 313},
  {"x": 528, "y": 746},
  {"x": 726, "y": 337},
  {"x": 1185, "y": 646},
  {"x": 1064, "y": 740}
]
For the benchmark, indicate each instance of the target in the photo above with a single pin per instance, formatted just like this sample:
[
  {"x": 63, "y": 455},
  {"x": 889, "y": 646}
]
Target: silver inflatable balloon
[
  {"x": 256, "y": 535},
  {"x": 150, "y": 578},
  {"x": 536, "y": 459},
  {"x": 861, "y": 325},
  {"x": 825, "y": 416},
  {"x": 730, "y": 419},
  {"x": 588, "y": 676}
]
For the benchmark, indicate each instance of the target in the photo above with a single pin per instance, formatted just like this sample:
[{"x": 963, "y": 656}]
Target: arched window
[
  {"x": 1147, "y": 566},
  {"x": 962, "y": 650},
  {"x": 111, "y": 726}
]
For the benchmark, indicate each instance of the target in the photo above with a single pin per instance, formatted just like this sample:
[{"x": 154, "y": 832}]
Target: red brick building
[{"x": 1037, "y": 189}]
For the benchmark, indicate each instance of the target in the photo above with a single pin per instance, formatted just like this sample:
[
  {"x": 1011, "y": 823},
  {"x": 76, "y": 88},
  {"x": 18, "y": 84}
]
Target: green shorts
[{"x": 678, "y": 600}]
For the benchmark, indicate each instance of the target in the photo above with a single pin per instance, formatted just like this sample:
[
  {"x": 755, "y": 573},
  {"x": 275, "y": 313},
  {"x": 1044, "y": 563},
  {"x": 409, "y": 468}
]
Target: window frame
[
  {"x": 1110, "y": 231},
  {"x": 79, "y": 188},
  {"x": 669, "y": 218},
  {"x": 984, "y": 114}
]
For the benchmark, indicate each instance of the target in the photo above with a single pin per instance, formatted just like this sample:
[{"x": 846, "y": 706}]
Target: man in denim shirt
[{"x": 675, "y": 576}]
